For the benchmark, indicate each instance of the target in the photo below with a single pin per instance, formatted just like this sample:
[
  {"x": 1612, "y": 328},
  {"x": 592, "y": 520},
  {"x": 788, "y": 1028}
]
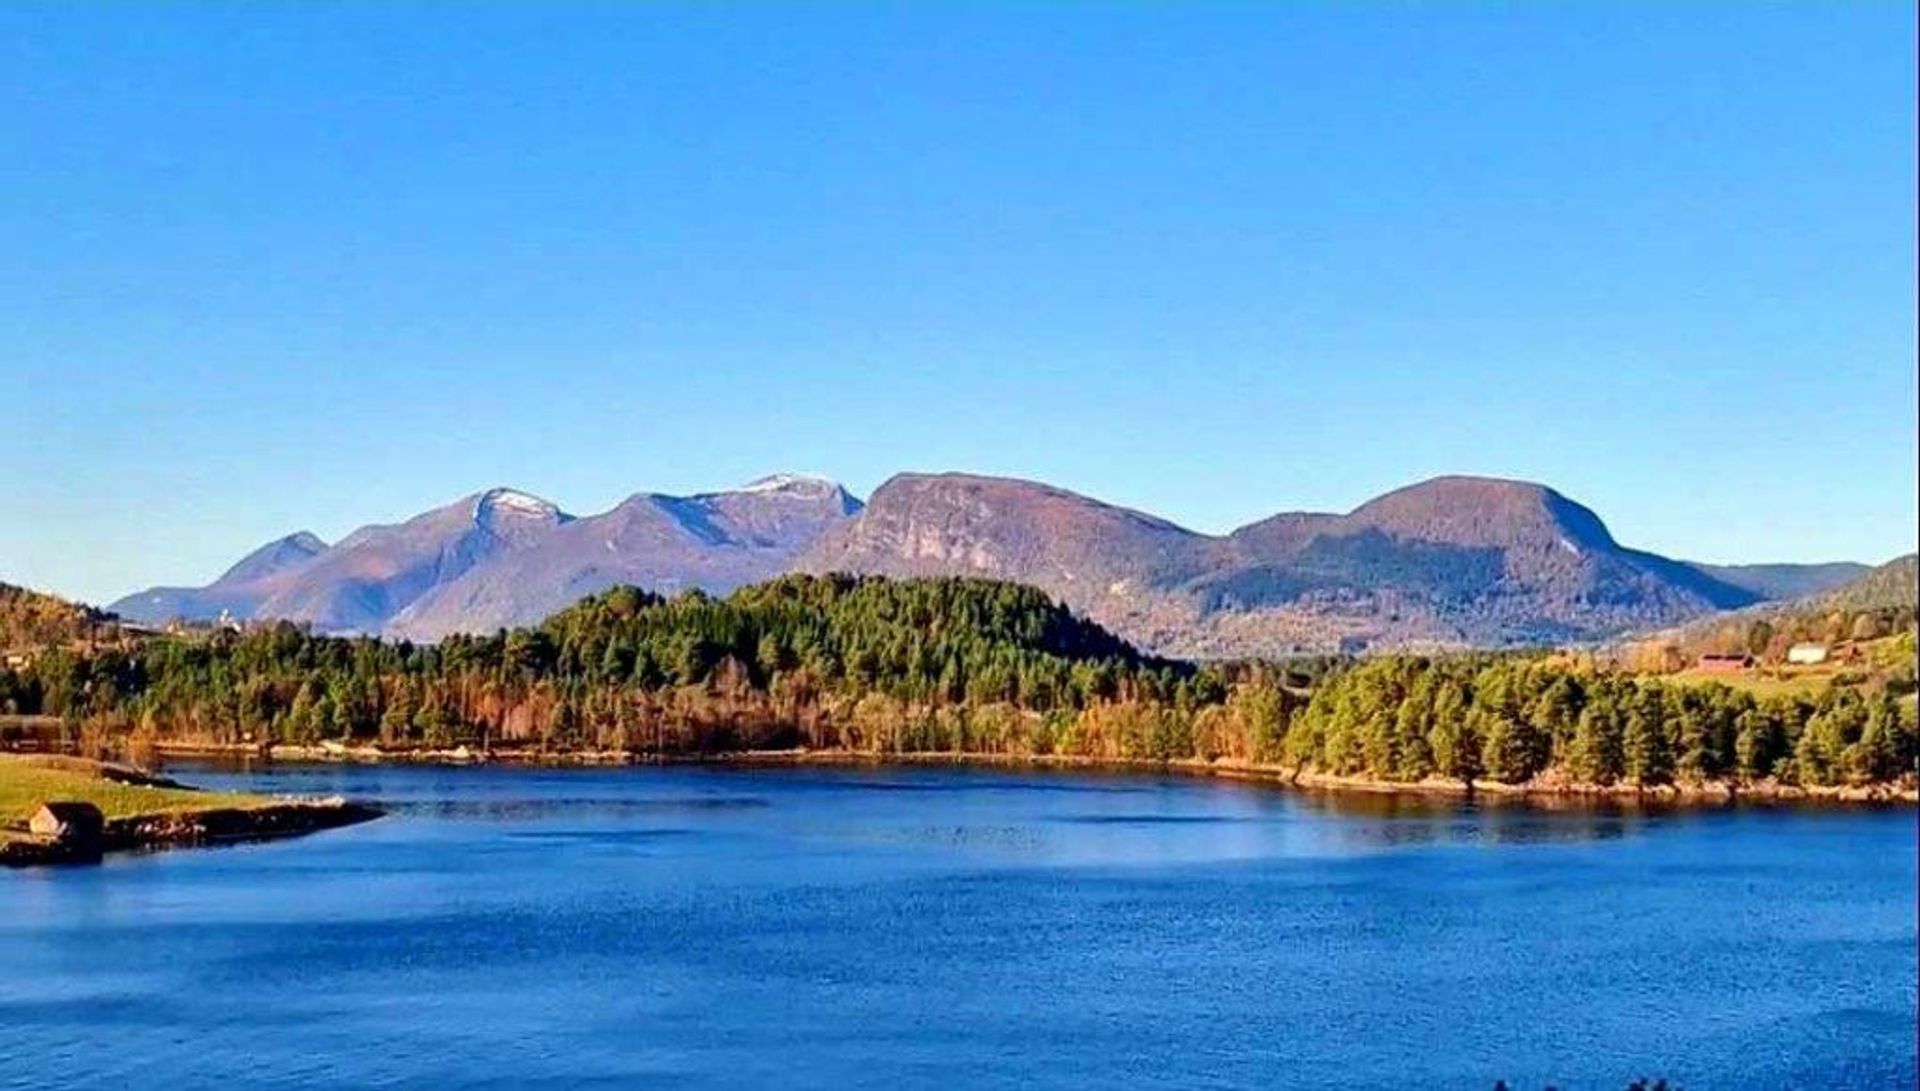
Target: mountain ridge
[
  {"x": 711, "y": 541},
  {"x": 1448, "y": 561},
  {"x": 1451, "y": 560}
]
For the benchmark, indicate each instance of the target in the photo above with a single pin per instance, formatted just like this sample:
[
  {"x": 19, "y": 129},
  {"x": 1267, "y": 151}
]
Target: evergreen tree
[
  {"x": 1512, "y": 750},
  {"x": 1647, "y": 749},
  {"x": 1455, "y": 740}
]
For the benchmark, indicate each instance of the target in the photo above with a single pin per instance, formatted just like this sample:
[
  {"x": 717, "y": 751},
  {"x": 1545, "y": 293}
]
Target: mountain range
[{"x": 1447, "y": 562}]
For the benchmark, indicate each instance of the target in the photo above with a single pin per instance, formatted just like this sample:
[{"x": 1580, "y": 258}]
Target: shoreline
[
  {"x": 184, "y": 829},
  {"x": 1704, "y": 794},
  {"x": 122, "y": 808}
]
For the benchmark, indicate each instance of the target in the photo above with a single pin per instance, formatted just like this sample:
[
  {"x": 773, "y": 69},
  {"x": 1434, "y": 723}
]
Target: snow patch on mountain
[
  {"x": 512, "y": 502},
  {"x": 807, "y": 485}
]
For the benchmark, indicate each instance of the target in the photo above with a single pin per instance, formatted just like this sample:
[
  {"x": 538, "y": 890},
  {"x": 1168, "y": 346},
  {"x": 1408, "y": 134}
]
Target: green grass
[
  {"x": 26, "y": 782},
  {"x": 1808, "y": 683}
]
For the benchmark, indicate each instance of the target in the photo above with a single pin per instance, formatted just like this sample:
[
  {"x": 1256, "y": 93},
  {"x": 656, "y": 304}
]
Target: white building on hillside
[{"x": 1807, "y": 653}]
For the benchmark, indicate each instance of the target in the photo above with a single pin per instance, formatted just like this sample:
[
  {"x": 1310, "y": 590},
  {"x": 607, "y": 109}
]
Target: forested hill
[
  {"x": 697, "y": 673},
  {"x": 937, "y": 640},
  {"x": 1892, "y": 586},
  {"x": 30, "y": 619}
]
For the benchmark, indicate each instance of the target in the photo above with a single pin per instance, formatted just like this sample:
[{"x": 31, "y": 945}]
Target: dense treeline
[
  {"x": 947, "y": 665},
  {"x": 799, "y": 660},
  {"x": 1514, "y": 719}
]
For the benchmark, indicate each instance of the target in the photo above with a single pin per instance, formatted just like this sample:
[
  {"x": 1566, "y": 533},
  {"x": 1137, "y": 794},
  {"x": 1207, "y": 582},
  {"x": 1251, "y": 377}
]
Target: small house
[
  {"x": 1725, "y": 663},
  {"x": 1807, "y": 654},
  {"x": 68, "y": 821}
]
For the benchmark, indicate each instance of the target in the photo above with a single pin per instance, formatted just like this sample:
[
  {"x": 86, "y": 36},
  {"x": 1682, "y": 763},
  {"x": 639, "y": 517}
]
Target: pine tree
[
  {"x": 1597, "y": 752},
  {"x": 1755, "y": 744},
  {"x": 1412, "y": 723},
  {"x": 1877, "y": 755},
  {"x": 1648, "y": 751},
  {"x": 1510, "y": 749},
  {"x": 1455, "y": 742},
  {"x": 1816, "y": 754}
]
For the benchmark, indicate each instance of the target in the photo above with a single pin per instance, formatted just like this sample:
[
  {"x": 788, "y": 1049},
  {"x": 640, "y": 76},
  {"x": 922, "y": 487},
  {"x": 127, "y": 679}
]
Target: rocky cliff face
[
  {"x": 943, "y": 524},
  {"x": 1451, "y": 561}
]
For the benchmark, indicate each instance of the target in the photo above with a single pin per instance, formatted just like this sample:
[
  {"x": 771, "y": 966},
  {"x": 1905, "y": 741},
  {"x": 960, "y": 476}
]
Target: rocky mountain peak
[
  {"x": 276, "y": 556},
  {"x": 504, "y": 503},
  {"x": 1484, "y": 511},
  {"x": 798, "y": 488}
]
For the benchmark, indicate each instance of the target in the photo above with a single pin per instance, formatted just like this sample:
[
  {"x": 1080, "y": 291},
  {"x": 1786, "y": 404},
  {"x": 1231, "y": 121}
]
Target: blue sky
[{"x": 313, "y": 266}]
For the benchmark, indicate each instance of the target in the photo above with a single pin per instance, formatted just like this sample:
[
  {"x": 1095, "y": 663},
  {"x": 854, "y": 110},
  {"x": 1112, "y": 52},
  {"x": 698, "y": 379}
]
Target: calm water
[{"x": 836, "y": 928}]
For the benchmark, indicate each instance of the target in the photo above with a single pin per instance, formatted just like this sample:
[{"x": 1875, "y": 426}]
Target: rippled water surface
[{"x": 518, "y": 928}]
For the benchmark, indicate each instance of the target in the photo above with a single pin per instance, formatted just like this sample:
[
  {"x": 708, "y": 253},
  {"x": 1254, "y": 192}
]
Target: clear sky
[{"x": 274, "y": 267}]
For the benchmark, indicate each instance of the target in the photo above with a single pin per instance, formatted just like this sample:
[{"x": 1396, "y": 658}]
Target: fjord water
[{"x": 522, "y": 928}]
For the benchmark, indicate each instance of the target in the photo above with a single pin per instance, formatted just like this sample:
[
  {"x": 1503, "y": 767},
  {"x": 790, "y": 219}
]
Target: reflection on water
[
  {"x": 612, "y": 837},
  {"x": 534, "y": 809},
  {"x": 999, "y": 839},
  {"x": 1149, "y": 819},
  {"x": 1356, "y": 820},
  {"x": 1389, "y": 819},
  {"x": 880, "y": 927}
]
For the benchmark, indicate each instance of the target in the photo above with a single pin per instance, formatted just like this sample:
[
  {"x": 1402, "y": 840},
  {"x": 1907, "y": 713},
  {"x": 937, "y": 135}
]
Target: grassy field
[
  {"x": 1877, "y": 660},
  {"x": 28, "y": 781},
  {"x": 1810, "y": 682}
]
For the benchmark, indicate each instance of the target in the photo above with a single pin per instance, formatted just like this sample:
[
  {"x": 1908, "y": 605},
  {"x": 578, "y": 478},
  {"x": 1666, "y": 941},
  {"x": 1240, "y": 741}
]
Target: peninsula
[{"x": 66, "y": 810}]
